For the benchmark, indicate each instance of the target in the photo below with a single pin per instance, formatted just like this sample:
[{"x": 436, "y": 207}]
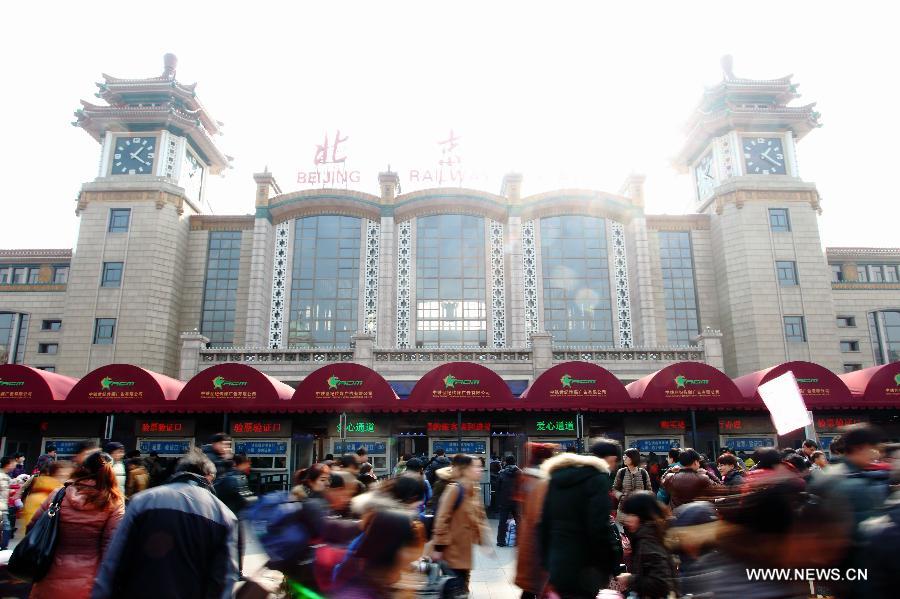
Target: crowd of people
[{"x": 608, "y": 522}]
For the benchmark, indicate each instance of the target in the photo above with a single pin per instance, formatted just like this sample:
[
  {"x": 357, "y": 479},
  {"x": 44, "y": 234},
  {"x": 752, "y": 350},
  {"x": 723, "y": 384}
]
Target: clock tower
[
  {"x": 772, "y": 278},
  {"x": 157, "y": 149}
]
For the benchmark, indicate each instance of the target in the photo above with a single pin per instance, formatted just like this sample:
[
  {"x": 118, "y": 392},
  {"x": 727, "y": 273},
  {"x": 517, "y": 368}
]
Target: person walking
[
  {"x": 686, "y": 482},
  {"x": 137, "y": 477},
  {"x": 507, "y": 481},
  {"x": 367, "y": 475},
  {"x": 219, "y": 451},
  {"x": 43, "y": 486},
  {"x": 532, "y": 489},
  {"x": 7, "y": 464},
  {"x": 630, "y": 479},
  {"x": 727, "y": 464},
  {"x": 653, "y": 574},
  {"x": 233, "y": 488},
  {"x": 117, "y": 451},
  {"x": 577, "y": 537},
  {"x": 437, "y": 462},
  {"x": 90, "y": 512},
  {"x": 311, "y": 482},
  {"x": 180, "y": 529},
  {"x": 460, "y": 522},
  {"x": 45, "y": 458}
]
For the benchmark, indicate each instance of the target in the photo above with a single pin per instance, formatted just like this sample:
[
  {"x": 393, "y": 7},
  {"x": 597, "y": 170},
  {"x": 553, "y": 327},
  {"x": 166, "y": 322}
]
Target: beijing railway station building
[{"x": 328, "y": 319}]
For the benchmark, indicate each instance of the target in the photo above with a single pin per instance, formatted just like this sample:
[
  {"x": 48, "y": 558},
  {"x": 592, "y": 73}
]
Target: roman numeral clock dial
[
  {"x": 134, "y": 156},
  {"x": 764, "y": 156}
]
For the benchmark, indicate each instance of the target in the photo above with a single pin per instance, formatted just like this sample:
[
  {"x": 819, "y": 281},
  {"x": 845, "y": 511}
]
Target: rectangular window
[
  {"x": 849, "y": 346},
  {"x": 846, "y": 321},
  {"x": 48, "y": 348},
  {"x": 119, "y": 219},
  {"x": 852, "y": 367},
  {"x": 20, "y": 275},
  {"x": 112, "y": 274},
  {"x": 60, "y": 275},
  {"x": 795, "y": 329},
  {"x": 46, "y": 368},
  {"x": 787, "y": 272},
  {"x": 876, "y": 273},
  {"x": 51, "y": 325},
  {"x": 104, "y": 331},
  {"x": 223, "y": 260},
  {"x": 890, "y": 273},
  {"x": 862, "y": 273},
  {"x": 837, "y": 273},
  {"x": 680, "y": 295},
  {"x": 33, "y": 275},
  {"x": 779, "y": 220}
]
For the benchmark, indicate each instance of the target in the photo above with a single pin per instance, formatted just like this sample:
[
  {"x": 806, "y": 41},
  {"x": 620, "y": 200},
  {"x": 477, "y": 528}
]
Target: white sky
[{"x": 571, "y": 94}]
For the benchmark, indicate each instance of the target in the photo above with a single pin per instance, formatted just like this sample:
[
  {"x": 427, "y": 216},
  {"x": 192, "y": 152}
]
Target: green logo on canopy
[
  {"x": 11, "y": 383},
  {"x": 568, "y": 381},
  {"x": 807, "y": 380},
  {"x": 220, "y": 381},
  {"x": 107, "y": 383},
  {"x": 451, "y": 381},
  {"x": 897, "y": 379},
  {"x": 682, "y": 381},
  {"x": 335, "y": 382}
]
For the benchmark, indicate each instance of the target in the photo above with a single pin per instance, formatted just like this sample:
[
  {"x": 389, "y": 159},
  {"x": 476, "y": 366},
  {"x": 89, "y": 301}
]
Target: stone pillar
[
  {"x": 260, "y": 296},
  {"x": 711, "y": 340},
  {"x": 387, "y": 284},
  {"x": 644, "y": 308},
  {"x": 364, "y": 349},
  {"x": 541, "y": 352},
  {"x": 191, "y": 344}
]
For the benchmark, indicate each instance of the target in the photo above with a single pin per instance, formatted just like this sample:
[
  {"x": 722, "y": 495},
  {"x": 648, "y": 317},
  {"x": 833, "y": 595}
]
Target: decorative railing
[
  {"x": 284, "y": 356},
  {"x": 683, "y": 354}
]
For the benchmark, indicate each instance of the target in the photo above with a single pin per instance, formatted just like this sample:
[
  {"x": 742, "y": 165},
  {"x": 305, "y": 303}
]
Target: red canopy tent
[
  {"x": 686, "y": 385},
  {"x": 575, "y": 385},
  {"x": 26, "y": 389},
  {"x": 232, "y": 387},
  {"x": 877, "y": 387},
  {"x": 117, "y": 388},
  {"x": 819, "y": 387},
  {"x": 461, "y": 386},
  {"x": 345, "y": 387}
]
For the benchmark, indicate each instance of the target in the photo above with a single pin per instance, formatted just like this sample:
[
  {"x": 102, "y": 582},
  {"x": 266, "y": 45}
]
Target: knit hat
[{"x": 112, "y": 446}]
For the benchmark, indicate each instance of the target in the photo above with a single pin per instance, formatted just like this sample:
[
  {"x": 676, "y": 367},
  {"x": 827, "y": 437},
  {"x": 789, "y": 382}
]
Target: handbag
[{"x": 33, "y": 556}]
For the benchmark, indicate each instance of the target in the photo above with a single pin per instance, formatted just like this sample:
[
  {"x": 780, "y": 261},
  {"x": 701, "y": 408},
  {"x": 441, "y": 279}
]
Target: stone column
[
  {"x": 364, "y": 350},
  {"x": 541, "y": 353},
  {"x": 260, "y": 296},
  {"x": 191, "y": 344},
  {"x": 711, "y": 340}
]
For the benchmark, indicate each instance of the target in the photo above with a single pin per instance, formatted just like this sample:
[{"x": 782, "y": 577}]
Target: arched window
[
  {"x": 325, "y": 280},
  {"x": 575, "y": 269},
  {"x": 451, "y": 300}
]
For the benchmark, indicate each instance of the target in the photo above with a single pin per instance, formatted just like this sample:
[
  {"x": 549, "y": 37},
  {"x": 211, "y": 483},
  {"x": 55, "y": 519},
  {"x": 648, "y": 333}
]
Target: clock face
[
  {"x": 764, "y": 156},
  {"x": 706, "y": 175},
  {"x": 134, "y": 156}
]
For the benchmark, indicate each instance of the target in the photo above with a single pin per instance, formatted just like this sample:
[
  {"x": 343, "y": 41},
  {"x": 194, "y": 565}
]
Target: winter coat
[
  {"x": 138, "y": 480},
  {"x": 457, "y": 529},
  {"x": 41, "y": 488},
  {"x": 223, "y": 464},
  {"x": 233, "y": 489},
  {"x": 881, "y": 546},
  {"x": 375, "y": 500},
  {"x": 180, "y": 529},
  {"x": 506, "y": 486},
  {"x": 42, "y": 461},
  {"x": 434, "y": 464},
  {"x": 734, "y": 478},
  {"x": 576, "y": 534},
  {"x": 85, "y": 531},
  {"x": 628, "y": 482},
  {"x": 530, "y": 576},
  {"x": 4, "y": 493},
  {"x": 156, "y": 470},
  {"x": 121, "y": 475},
  {"x": 684, "y": 485},
  {"x": 652, "y": 568}
]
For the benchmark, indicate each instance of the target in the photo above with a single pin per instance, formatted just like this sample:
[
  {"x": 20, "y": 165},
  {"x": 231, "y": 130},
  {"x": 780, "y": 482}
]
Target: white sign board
[{"x": 785, "y": 403}]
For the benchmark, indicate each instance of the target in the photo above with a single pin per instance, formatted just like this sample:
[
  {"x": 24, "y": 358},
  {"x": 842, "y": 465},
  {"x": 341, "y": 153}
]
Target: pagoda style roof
[
  {"x": 748, "y": 105},
  {"x": 159, "y": 101}
]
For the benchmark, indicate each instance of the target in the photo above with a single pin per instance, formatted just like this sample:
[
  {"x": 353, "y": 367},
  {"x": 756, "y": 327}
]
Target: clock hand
[
  {"x": 772, "y": 160},
  {"x": 139, "y": 159},
  {"x": 138, "y": 151}
]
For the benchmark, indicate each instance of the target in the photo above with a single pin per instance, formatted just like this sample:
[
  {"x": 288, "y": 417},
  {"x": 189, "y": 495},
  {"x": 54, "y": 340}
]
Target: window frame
[
  {"x": 112, "y": 227},
  {"x": 109, "y": 283},
  {"x": 58, "y": 268},
  {"x": 780, "y": 267},
  {"x": 104, "y": 322},
  {"x": 851, "y": 344},
  {"x": 851, "y": 322},
  {"x": 837, "y": 276},
  {"x": 43, "y": 347},
  {"x": 49, "y": 321},
  {"x": 801, "y": 321},
  {"x": 787, "y": 220}
]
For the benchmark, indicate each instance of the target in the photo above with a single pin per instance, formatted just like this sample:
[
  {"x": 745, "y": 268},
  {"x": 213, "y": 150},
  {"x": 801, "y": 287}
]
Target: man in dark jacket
[
  {"x": 437, "y": 461},
  {"x": 578, "y": 544},
  {"x": 219, "y": 452},
  {"x": 180, "y": 529},
  {"x": 507, "y": 480},
  {"x": 233, "y": 488},
  {"x": 688, "y": 481}
]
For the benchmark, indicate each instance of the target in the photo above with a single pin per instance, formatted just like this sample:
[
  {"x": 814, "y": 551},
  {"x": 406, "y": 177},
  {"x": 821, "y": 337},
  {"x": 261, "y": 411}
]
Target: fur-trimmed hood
[
  {"x": 445, "y": 473},
  {"x": 374, "y": 501},
  {"x": 573, "y": 460}
]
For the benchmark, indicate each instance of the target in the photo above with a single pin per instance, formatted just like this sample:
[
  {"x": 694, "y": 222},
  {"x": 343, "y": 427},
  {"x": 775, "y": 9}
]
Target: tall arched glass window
[
  {"x": 325, "y": 280},
  {"x": 575, "y": 269},
  {"x": 885, "y": 327},
  {"x": 451, "y": 301},
  {"x": 13, "y": 332}
]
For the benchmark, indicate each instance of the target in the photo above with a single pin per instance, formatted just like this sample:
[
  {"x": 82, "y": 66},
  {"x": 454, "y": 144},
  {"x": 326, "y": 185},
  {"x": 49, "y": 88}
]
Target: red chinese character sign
[
  {"x": 819, "y": 387},
  {"x": 124, "y": 388},
  {"x": 245, "y": 427},
  {"x": 575, "y": 386},
  {"x": 235, "y": 387},
  {"x": 686, "y": 385},
  {"x": 345, "y": 387},
  {"x": 461, "y": 386},
  {"x": 878, "y": 386},
  {"x": 329, "y": 163},
  {"x": 26, "y": 389}
]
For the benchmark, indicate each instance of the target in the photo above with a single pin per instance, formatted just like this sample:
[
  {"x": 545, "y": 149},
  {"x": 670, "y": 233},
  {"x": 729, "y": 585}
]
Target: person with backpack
[
  {"x": 460, "y": 521},
  {"x": 507, "y": 481},
  {"x": 630, "y": 479}
]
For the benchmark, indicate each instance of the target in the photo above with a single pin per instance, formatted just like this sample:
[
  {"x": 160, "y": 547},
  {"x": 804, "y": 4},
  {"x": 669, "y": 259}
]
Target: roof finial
[
  {"x": 170, "y": 62},
  {"x": 727, "y": 63}
]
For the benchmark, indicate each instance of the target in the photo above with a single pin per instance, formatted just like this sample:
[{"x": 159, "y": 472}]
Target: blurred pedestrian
[
  {"x": 90, "y": 512},
  {"x": 808, "y": 448},
  {"x": 437, "y": 461},
  {"x": 653, "y": 572},
  {"x": 686, "y": 482},
  {"x": 6, "y": 466},
  {"x": 819, "y": 461},
  {"x": 507, "y": 482},
  {"x": 631, "y": 478},
  {"x": 404, "y": 493},
  {"x": 367, "y": 475},
  {"x": 233, "y": 488},
  {"x": 578, "y": 540},
  {"x": 20, "y": 465},
  {"x": 48, "y": 456},
  {"x": 43, "y": 486},
  {"x": 532, "y": 490},
  {"x": 176, "y": 541},
  {"x": 312, "y": 482},
  {"x": 117, "y": 451},
  {"x": 400, "y": 468},
  {"x": 728, "y": 468},
  {"x": 137, "y": 477},
  {"x": 82, "y": 450},
  {"x": 460, "y": 520},
  {"x": 156, "y": 469},
  {"x": 219, "y": 451}
]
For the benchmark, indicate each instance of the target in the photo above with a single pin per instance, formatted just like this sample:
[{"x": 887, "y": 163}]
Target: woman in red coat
[{"x": 89, "y": 514}]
